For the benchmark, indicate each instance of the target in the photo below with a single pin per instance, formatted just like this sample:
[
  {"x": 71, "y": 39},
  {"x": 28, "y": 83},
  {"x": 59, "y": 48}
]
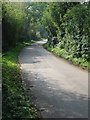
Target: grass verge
[
  {"x": 15, "y": 102},
  {"x": 83, "y": 63}
]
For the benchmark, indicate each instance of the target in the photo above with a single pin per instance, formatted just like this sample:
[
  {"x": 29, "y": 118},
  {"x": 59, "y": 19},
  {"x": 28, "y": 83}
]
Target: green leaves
[
  {"x": 15, "y": 102},
  {"x": 21, "y": 22},
  {"x": 70, "y": 21},
  {"x": 13, "y": 21}
]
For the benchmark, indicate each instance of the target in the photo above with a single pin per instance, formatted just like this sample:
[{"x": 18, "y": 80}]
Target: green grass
[
  {"x": 15, "y": 102},
  {"x": 64, "y": 54}
]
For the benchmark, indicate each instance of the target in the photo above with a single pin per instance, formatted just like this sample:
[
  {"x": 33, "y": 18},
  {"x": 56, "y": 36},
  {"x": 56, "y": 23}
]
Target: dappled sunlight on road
[{"x": 57, "y": 88}]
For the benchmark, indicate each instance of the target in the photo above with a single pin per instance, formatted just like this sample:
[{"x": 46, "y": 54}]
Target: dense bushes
[
  {"x": 21, "y": 22},
  {"x": 13, "y": 23},
  {"x": 76, "y": 37},
  {"x": 14, "y": 100},
  {"x": 69, "y": 23}
]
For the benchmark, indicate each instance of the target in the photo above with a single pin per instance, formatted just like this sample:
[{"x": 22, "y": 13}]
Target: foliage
[
  {"x": 69, "y": 23},
  {"x": 63, "y": 53},
  {"x": 13, "y": 21},
  {"x": 21, "y": 22},
  {"x": 76, "y": 37},
  {"x": 15, "y": 102},
  {"x": 68, "y": 36}
]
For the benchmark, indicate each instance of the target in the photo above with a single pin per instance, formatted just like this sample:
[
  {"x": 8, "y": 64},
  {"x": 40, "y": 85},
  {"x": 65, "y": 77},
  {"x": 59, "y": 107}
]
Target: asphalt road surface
[{"x": 57, "y": 88}]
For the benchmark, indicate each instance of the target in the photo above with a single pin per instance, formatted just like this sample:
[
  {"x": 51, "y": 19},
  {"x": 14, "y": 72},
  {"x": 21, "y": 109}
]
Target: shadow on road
[
  {"x": 58, "y": 89},
  {"x": 54, "y": 102}
]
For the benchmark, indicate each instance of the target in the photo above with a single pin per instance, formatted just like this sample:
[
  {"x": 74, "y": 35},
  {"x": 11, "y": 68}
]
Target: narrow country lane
[{"x": 57, "y": 88}]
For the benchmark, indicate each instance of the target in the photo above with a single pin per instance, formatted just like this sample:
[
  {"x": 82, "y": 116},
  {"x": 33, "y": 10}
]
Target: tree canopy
[
  {"x": 21, "y": 22},
  {"x": 67, "y": 21}
]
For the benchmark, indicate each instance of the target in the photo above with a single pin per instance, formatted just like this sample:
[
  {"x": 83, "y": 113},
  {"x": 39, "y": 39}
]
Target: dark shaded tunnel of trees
[{"x": 64, "y": 23}]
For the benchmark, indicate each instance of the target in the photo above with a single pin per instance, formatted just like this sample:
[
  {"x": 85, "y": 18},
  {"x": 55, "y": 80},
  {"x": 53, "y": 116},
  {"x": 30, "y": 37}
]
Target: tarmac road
[{"x": 57, "y": 88}]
